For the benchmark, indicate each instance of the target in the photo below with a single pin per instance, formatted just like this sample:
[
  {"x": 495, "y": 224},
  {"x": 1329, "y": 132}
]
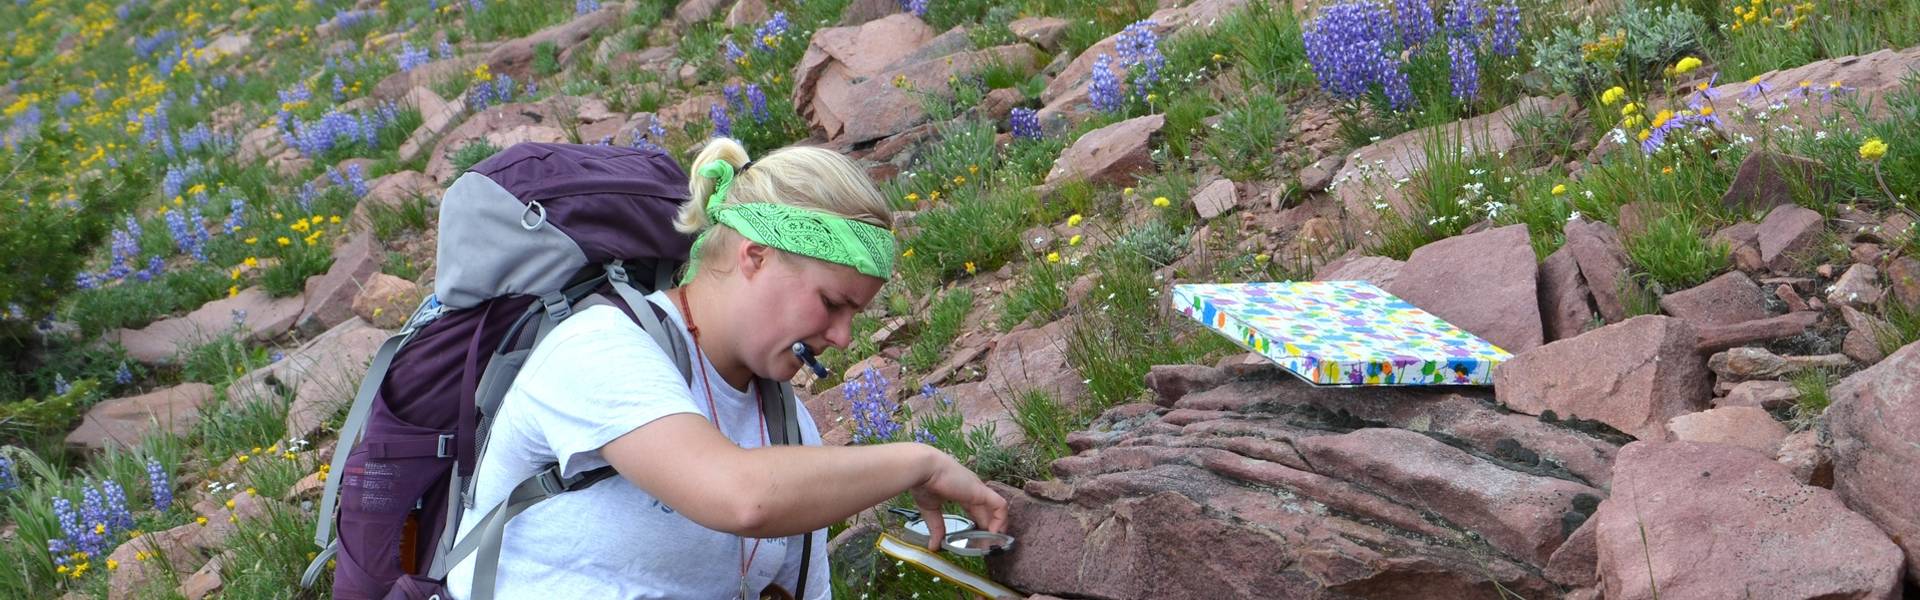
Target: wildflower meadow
[{"x": 204, "y": 203}]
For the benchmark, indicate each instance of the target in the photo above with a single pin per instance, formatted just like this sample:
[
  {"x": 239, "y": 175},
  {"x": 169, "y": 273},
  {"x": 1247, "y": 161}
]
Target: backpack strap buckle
[
  {"x": 557, "y": 306},
  {"x": 444, "y": 448},
  {"x": 616, "y": 271},
  {"x": 550, "y": 481}
]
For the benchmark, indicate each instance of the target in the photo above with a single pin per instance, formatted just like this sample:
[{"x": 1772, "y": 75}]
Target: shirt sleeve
[{"x": 600, "y": 378}]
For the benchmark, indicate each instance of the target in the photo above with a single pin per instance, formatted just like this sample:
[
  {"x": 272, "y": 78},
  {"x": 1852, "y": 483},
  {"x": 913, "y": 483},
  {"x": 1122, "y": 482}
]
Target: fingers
[{"x": 935, "y": 519}]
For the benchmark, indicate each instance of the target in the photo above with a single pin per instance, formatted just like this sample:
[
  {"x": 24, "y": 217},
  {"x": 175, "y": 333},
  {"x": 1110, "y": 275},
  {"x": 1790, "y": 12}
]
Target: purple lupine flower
[
  {"x": 769, "y": 33},
  {"x": 581, "y": 7},
  {"x": 411, "y": 57},
  {"x": 119, "y": 516},
  {"x": 1025, "y": 123},
  {"x": 917, "y": 7},
  {"x": 275, "y": 356},
  {"x": 1506, "y": 29},
  {"x": 1415, "y": 18},
  {"x": 177, "y": 227},
  {"x": 1139, "y": 46},
  {"x": 236, "y": 216},
  {"x": 1465, "y": 75},
  {"x": 1348, "y": 48},
  {"x": 70, "y": 530},
  {"x": 239, "y": 316},
  {"x": 924, "y": 436},
  {"x": 159, "y": 486},
  {"x": 7, "y": 480},
  {"x": 94, "y": 527},
  {"x": 873, "y": 408},
  {"x": 155, "y": 266},
  {"x": 357, "y": 180},
  {"x": 722, "y": 125},
  {"x": 734, "y": 53},
  {"x": 1103, "y": 91},
  {"x": 60, "y": 385},
  {"x": 446, "y": 49},
  {"x": 339, "y": 88},
  {"x": 85, "y": 280},
  {"x": 757, "y": 103},
  {"x": 735, "y": 102},
  {"x": 1465, "y": 18},
  {"x": 123, "y": 375}
]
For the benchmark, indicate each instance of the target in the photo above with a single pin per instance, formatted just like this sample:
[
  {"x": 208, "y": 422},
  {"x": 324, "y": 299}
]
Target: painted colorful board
[{"x": 1342, "y": 333}]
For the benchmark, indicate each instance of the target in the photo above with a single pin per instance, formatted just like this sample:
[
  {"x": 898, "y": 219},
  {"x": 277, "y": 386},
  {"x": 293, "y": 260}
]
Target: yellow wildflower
[
  {"x": 1612, "y": 95},
  {"x": 959, "y": 180},
  {"x": 317, "y": 219},
  {"x": 283, "y": 241},
  {"x": 1126, "y": 192},
  {"x": 252, "y": 240},
  {"x": 482, "y": 73},
  {"x": 907, "y": 254},
  {"x": 251, "y": 492},
  {"x": 112, "y": 564},
  {"x": 141, "y": 555},
  {"x": 229, "y": 504},
  {"x": 251, "y": 262},
  {"x": 1873, "y": 149},
  {"x": 1074, "y": 241},
  {"x": 200, "y": 521},
  {"x": 970, "y": 269},
  {"x": 913, "y": 197},
  {"x": 1629, "y": 109},
  {"x": 934, "y": 196},
  {"x": 243, "y": 458},
  {"x": 973, "y": 169},
  {"x": 99, "y": 528},
  {"x": 1686, "y": 65},
  {"x": 233, "y": 290},
  {"x": 1662, "y": 117},
  {"x": 1162, "y": 201},
  {"x": 333, "y": 220},
  {"x": 1074, "y": 220},
  {"x": 1666, "y": 170},
  {"x": 1560, "y": 189},
  {"x": 60, "y": 569},
  {"x": 1053, "y": 257}
]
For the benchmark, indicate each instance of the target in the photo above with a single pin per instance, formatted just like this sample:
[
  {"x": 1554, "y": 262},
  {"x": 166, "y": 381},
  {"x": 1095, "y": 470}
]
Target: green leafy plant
[
  {"x": 1633, "y": 45},
  {"x": 1242, "y": 145}
]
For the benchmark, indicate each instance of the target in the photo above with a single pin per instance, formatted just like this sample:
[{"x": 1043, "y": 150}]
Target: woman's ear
[{"x": 752, "y": 258}]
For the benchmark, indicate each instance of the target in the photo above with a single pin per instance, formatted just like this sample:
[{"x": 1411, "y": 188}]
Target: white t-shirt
[{"x": 594, "y": 378}]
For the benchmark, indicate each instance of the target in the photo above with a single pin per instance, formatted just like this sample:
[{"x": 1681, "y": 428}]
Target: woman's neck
[{"x": 702, "y": 307}]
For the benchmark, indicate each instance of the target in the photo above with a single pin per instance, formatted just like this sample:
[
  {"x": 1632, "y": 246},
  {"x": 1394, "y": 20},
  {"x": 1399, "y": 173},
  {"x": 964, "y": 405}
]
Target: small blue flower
[
  {"x": 1025, "y": 123},
  {"x": 1506, "y": 29},
  {"x": 757, "y": 103},
  {"x": 159, "y": 485},
  {"x": 123, "y": 375},
  {"x": 7, "y": 480},
  {"x": 722, "y": 124},
  {"x": 581, "y": 7},
  {"x": 60, "y": 385},
  {"x": 1465, "y": 74},
  {"x": 1103, "y": 91}
]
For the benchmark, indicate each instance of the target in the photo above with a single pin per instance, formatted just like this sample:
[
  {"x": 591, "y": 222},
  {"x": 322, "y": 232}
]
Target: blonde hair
[{"x": 803, "y": 176}]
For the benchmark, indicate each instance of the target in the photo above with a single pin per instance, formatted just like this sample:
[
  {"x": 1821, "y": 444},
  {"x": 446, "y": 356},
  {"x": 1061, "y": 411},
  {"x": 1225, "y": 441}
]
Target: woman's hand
[{"x": 948, "y": 480}]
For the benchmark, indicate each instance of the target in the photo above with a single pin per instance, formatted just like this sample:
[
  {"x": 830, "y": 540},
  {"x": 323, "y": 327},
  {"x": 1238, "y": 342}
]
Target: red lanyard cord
[{"x": 686, "y": 310}]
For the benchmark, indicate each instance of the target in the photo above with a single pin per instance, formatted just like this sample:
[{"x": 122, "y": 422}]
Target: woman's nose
[{"x": 840, "y": 334}]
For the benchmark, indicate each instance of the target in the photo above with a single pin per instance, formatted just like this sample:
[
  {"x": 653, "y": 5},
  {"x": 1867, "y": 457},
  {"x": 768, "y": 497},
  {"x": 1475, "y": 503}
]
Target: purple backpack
[{"x": 528, "y": 237}]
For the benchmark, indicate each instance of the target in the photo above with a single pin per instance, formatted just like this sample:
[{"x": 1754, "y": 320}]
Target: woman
[{"x": 789, "y": 248}]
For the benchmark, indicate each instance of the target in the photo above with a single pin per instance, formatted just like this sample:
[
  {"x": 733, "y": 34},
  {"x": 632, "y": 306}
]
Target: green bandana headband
[{"x": 810, "y": 233}]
